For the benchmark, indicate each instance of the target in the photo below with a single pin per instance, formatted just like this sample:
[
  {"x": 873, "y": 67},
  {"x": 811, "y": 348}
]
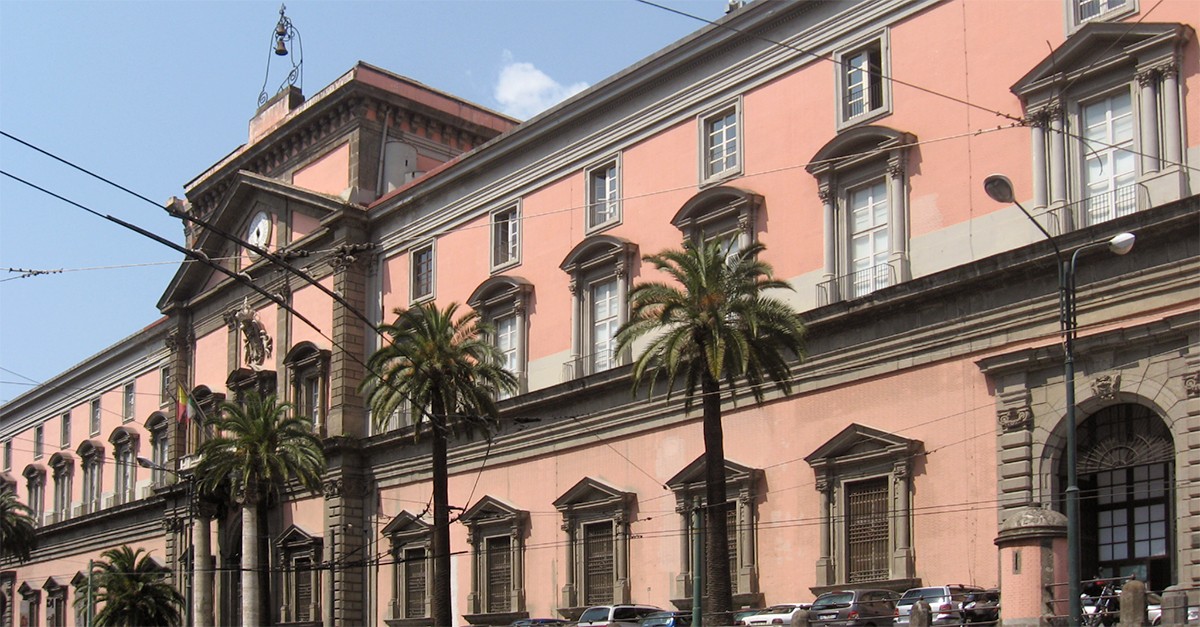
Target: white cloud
[{"x": 524, "y": 91}]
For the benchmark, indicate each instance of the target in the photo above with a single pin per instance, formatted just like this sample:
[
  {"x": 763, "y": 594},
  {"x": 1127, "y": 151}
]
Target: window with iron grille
[
  {"x": 598, "y": 563},
  {"x": 302, "y": 588},
  {"x": 414, "y": 583},
  {"x": 731, "y": 535},
  {"x": 498, "y": 553},
  {"x": 867, "y": 530}
]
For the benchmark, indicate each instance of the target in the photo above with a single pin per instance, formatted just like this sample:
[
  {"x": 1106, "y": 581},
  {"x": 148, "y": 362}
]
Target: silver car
[{"x": 945, "y": 603}]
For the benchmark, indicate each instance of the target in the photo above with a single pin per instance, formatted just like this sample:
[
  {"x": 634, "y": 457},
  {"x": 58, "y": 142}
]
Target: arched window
[
  {"x": 723, "y": 213},
  {"x": 863, "y": 189},
  {"x": 599, "y": 270},
  {"x": 160, "y": 442},
  {"x": 125, "y": 449},
  {"x": 91, "y": 458},
  {"x": 503, "y": 302},
  {"x": 35, "y": 484},
  {"x": 308, "y": 369},
  {"x": 62, "y": 468}
]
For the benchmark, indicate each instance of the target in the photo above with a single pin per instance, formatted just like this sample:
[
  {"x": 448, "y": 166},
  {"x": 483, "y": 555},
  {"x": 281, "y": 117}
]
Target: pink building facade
[{"x": 923, "y": 443}]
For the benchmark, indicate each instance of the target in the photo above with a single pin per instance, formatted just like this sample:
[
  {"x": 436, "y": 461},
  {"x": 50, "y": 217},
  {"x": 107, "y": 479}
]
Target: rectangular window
[
  {"x": 506, "y": 342},
  {"x": 94, "y": 424},
  {"x": 721, "y": 145},
  {"x": 606, "y": 304},
  {"x": 158, "y": 452},
  {"x": 731, "y": 533},
  {"x": 603, "y": 195},
  {"x": 302, "y": 588},
  {"x": 869, "y": 235},
  {"x": 1088, "y": 10},
  {"x": 64, "y": 440},
  {"x": 62, "y": 493},
  {"x": 91, "y": 484},
  {"x": 867, "y": 530},
  {"x": 498, "y": 554},
  {"x": 39, "y": 440},
  {"x": 1110, "y": 166},
  {"x": 165, "y": 393},
  {"x": 863, "y": 88},
  {"x": 130, "y": 404},
  {"x": 310, "y": 398},
  {"x": 8, "y": 455},
  {"x": 123, "y": 485},
  {"x": 598, "y": 556},
  {"x": 414, "y": 583},
  {"x": 506, "y": 237},
  {"x": 421, "y": 264}
]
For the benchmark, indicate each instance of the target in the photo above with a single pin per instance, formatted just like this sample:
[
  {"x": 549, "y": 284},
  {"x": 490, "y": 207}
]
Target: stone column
[
  {"x": 1148, "y": 119},
  {"x": 521, "y": 320},
  {"x": 902, "y": 558},
  {"x": 826, "y": 571},
  {"x": 621, "y": 593},
  {"x": 569, "y": 588},
  {"x": 898, "y": 217},
  {"x": 1015, "y": 455},
  {"x": 1033, "y": 546},
  {"x": 202, "y": 567},
  {"x": 829, "y": 236},
  {"x": 347, "y": 415},
  {"x": 345, "y": 491},
  {"x": 475, "y": 597},
  {"x": 180, "y": 341},
  {"x": 1037, "y": 126},
  {"x": 1171, "y": 122},
  {"x": 577, "y": 319},
  {"x": 1058, "y": 167}
]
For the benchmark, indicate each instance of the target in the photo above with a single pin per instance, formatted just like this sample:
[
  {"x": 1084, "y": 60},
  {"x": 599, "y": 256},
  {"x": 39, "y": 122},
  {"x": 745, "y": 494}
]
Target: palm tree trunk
[
  {"x": 441, "y": 519},
  {"x": 250, "y": 591},
  {"x": 716, "y": 567}
]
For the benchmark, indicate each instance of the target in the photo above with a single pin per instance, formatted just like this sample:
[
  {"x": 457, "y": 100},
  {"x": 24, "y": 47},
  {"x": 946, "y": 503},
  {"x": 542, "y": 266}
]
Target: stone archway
[{"x": 1126, "y": 478}]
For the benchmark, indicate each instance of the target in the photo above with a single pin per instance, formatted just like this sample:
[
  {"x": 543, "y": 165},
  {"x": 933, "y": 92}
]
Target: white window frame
[
  {"x": 1085, "y": 150},
  {"x": 413, "y": 296},
  {"x": 91, "y": 462},
  {"x": 125, "y": 450},
  {"x": 731, "y": 109},
  {"x": 874, "y": 279},
  {"x": 882, "y": 41},
  {"x": 160, "y": 451},
  {"x": 62, "y": 471},
  {"x": 95, "y": 419},
  {"x": 505, "y": 246},
  {"x": 1105, "y": 12},
  {"x": 595, "y": 261},
  {"x": 503, "y": 297},
  {"x": 165, "y": 394},
  {"x": 64, "y": 430},
  {"x": 610, "y": 169},
  {"x": 39, "y": 441},
  {"x": 129, "y": 401}
]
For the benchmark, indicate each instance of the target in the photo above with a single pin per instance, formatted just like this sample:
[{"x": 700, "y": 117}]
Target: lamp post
[
  {"x": 999, "y": 188},
  {"x": 147, "y": 463}
]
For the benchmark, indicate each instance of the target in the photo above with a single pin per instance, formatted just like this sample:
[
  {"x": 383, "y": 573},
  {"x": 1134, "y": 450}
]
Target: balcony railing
[
  {"x": 1115, "y": 203},
  {"x": 585, "y": 365},
  {"x": 856, "y": 284}
]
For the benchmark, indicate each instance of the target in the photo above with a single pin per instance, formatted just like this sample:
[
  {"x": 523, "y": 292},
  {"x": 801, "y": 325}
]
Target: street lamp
[
  {"x": 148, "y": 463},
  {"x": 999, "y": 188}
]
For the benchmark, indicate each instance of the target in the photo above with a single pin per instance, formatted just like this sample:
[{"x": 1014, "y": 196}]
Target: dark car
[
  {"x": 853, "y": 608},
  {"x": 667, "y": 619},
  {"x": 540, "y": 622}
]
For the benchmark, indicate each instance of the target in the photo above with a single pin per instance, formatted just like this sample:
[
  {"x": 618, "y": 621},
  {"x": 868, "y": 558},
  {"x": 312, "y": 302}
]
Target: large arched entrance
[{"x": 1126, "y": 481}]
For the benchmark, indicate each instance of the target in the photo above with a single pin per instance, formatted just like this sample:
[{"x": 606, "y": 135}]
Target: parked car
[
  {"x": 945, "y": 603},
  {"x": 616, "y": 615},
  {"x": 740, "y": 616},
  {"x": 540, "y": 622},
  {"x": 667, "y": 619},
  {"x": 854, "y": 608},
  {"x": 982, "y": 607},
  {"x": 778, "y": 614}
]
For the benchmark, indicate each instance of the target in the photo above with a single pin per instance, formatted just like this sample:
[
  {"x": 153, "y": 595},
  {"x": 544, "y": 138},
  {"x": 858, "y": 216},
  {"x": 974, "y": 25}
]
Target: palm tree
[
  {"x": 17, "y": 536},
  {"x": 258, "y": 448},
  {"x": 133, "y": 590},
  {"x": 446, "y": 370},
  {"x": 712, "y": 329}
]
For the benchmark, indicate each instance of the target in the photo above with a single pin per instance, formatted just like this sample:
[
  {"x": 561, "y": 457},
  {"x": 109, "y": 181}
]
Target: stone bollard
[
  {"x": 800, "y": 618},
  {"x": 1174, "y": 607},
  {"x": 1133, "y": 604},
  {"x": 920, "y": 616}
]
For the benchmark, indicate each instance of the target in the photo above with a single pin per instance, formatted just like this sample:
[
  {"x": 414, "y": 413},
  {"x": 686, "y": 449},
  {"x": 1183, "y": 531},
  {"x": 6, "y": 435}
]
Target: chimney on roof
[{"x": 274, "y": 110}]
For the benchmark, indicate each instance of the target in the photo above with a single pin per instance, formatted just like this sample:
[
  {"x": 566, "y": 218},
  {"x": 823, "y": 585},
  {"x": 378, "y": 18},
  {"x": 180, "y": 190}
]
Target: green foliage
[
  {"x": 131, "y": 591},
  {"x": 17, "y": 535},
  {"x": 437, "y": 363},
  {"x": 257, "y": 448},
  {"x": 717, "y": 320}
]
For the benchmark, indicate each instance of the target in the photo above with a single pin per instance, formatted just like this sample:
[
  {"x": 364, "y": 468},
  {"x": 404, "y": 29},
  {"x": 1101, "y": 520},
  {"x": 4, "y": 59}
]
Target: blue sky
[{"x": 149, "y": 94}]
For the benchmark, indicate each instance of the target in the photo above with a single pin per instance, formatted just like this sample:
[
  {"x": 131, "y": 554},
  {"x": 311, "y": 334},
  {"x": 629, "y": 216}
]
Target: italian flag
[{"x": 185, "y": 409}]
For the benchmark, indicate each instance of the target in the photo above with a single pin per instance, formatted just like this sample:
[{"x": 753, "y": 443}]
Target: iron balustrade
[{"x": 856, "y": 284}]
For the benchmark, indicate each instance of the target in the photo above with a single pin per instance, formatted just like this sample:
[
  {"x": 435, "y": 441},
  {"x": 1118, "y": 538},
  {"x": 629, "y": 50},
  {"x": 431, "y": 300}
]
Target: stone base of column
[{"x": 1033, "y": 567}]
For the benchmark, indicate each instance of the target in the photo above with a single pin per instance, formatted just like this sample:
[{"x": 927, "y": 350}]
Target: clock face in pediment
[{"x": 258, "y": 232}]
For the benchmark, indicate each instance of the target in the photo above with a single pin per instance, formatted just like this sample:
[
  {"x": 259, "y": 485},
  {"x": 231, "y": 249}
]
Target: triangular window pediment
[
  {"x": 693, "y": 474},
  {"x": 294, "y": 536},
  {"x": 858, "y": 443},
  {"x": 490, "y": 509},
  {"x": 405, "y": 524},
  {"x": 591, "y": 492},
  {"x": 52, "y": 585},
  {"x": 1096, "y": 47}
]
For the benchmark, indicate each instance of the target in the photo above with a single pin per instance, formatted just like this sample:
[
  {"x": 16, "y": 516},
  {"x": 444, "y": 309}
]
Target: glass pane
[
  {"x": 1106, "y": 552},
  {"x": 1141, "y": 548},
  {"x": 1158, "y": 547}
]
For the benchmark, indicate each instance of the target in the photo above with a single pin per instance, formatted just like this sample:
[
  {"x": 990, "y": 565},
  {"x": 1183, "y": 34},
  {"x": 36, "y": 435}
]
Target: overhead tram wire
[{"x": 266, "y": 254}]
